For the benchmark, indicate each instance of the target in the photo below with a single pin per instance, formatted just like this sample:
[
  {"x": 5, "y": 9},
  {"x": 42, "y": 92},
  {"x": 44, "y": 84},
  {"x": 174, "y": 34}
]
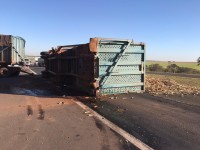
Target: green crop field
[{"x": 181, "y": 64}]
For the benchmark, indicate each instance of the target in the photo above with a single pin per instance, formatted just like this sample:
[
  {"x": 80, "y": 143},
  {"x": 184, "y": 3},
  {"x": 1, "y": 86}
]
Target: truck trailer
[
  {"x": 12, "y": 56},
  {"x": 102, "y": 66}
]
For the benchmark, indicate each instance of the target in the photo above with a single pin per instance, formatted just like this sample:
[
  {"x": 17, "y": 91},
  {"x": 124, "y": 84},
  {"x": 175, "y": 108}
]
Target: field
[{"x": 181, "y": 64}]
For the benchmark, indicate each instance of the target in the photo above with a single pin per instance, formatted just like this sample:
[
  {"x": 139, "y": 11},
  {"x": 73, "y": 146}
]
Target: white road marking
[{"x": 139, "y": 144}]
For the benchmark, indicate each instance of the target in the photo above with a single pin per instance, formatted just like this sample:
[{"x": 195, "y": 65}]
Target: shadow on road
[{"x": 35, "y": 85}]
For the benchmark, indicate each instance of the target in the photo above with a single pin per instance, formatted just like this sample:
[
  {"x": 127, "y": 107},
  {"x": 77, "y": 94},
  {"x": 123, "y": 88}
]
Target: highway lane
[
  {"x": 162, "y": 123},
  {"x": 35, "y": 115}
]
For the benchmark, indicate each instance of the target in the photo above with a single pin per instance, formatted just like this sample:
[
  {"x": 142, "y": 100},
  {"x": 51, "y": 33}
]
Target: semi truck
[{"x": 12, "y": 56}]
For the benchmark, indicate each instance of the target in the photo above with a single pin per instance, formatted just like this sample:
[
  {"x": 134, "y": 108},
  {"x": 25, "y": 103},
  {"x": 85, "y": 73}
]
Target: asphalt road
[
  {"x": 30, "y": 118},
  {"x": 164, "y": 124},
  {"x": 34, "y": 115}
]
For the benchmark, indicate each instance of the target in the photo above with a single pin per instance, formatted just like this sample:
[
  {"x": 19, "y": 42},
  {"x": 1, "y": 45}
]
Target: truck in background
[{"x": 12, "y": 56}]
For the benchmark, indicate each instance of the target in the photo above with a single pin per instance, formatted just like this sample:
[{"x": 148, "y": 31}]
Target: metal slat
[
  {"x": 122, "y": 63},
  {"x": 116, "y": 63},
  {"x": 116, "y": 90},
  {"x": 119, "y": 59},
  {"x": 124, "y": 73},
  {"x": 122, "y": 85},
  {"x": 118, "y": 50}
]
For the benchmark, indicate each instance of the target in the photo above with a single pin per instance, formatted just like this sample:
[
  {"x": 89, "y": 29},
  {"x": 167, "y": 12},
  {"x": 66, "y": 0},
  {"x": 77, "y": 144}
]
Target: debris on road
[
  {"x": 95, "y": 106},
  {"x": 115, "y": 97},
  {"x": 156, "y": 86},
  {"x": 87, "y": 112},
  {"x": 120, "y": 110},
  {"x": 60, "y": 103}
]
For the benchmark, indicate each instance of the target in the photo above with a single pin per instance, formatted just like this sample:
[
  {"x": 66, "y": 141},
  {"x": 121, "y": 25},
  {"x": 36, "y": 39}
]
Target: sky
[{"x": 169, "y": 28}]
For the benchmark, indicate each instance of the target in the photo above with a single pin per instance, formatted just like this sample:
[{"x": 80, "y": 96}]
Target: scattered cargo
[
  {"x": 156, "y": 86},
  {"x": 12, "y": 54},
  {"x": 102, "y": 66}
]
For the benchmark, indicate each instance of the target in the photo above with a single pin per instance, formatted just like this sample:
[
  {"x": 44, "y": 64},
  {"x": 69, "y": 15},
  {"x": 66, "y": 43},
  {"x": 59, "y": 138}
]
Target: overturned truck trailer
[
  {"x": 102, "y": 66},
  {"x": 12, "y": 54}
]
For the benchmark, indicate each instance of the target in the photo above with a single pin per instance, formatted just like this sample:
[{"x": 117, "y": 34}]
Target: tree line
[{"x": 172, "y": 68}]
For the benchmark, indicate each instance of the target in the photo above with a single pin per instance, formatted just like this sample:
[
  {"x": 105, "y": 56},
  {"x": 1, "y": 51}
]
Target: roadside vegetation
[
  {"x": 164, "y": 64},
  {"x": 172, "y": 85},
  {"x": 198, "y": 61},
  {"x": 172, "y": 68}
]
